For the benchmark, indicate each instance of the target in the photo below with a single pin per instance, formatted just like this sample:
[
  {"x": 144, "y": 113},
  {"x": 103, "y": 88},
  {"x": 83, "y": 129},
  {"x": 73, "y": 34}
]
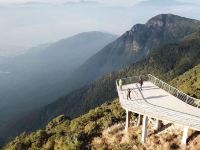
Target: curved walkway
[{"x": 157, "y": 103}]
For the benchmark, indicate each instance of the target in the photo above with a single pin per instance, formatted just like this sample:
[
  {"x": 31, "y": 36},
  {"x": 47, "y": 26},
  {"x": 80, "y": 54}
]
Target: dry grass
[
  {"x": 110, "y": 137},
  {"x": 194, "y": 143},
  {"x": 115, "y": 137},
  {"x": 167, "y": 138}
]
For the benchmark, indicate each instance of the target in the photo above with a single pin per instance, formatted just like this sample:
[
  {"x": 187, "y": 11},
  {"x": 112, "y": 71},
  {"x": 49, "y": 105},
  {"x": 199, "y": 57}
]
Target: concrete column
[
  {"x": 185, "y": 135},
  {"x": 128, "y": 117},
  {"x": 139, "y": 121},
  {"x": 157, "y": 124},
  {"x": 144, "y": 129}
]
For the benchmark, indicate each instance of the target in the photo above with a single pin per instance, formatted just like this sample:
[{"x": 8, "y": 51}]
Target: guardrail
[
  {"x": 175, "y": 92},
  {"x": 163, "y": 85},
  {"x": 130, "y": 80}
]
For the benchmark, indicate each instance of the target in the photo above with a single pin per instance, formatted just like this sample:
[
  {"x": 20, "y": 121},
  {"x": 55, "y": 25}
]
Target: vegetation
[
  {"x": 102, "y": 128},
  {"x": 78, "y": 133},
  {"x": 166, "y": 62},
  {"x": 189, "y": 82}
]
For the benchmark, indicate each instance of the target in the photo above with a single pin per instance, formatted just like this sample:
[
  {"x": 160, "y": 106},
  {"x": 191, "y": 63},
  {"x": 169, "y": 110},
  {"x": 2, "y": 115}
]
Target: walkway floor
[{"x": 157, "y": 103}]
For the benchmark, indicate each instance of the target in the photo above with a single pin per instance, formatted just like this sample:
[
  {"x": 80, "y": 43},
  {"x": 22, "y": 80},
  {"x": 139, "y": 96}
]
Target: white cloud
[{"x": 107, "y": 2}]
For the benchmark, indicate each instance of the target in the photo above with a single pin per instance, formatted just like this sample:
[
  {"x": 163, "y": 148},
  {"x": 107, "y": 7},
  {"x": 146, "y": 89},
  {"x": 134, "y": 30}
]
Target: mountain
[
  {"x": 157, "y": 47},
  {"x": 94, "y": 129},
  {"x": 166, "y": 62},
  {"x": 36, "y": 78},
  {"x": 194, "y": 35},
  {"x": 134, "y": 45}
]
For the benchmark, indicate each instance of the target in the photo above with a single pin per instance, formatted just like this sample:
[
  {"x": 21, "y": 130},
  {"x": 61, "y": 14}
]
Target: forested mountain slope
[
  {"x": 62, "y": 133},
  {"x": 189, "y": 82},
  {"x": 38, "y": 77},
  {"x": 166, "y": 62},
  {"x": 146, "y": 48},
  {"x": 134, "y": 45}
]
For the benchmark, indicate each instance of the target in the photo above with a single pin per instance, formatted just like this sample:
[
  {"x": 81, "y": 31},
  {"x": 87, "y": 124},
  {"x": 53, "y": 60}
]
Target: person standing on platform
[
  {"x": 120, "y": 84},
  {"x": 129, "y": 94},
  {"x": 141, "y": 82}
]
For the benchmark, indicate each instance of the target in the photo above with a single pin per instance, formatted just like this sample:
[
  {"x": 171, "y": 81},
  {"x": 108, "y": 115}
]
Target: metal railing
[
  {"x": 130, "y": 80},
  {"x": 175, "y": 92},
  {"x": 163, "y": 85}
]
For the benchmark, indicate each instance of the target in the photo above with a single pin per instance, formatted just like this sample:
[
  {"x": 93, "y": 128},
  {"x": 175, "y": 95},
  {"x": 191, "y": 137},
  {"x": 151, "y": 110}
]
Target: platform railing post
[
  {"x": 144, "y": 129},
  {"x": 128, "y": 117},
  {"x": 187, "y": 99},
  {"x": 185, "y": 135},
  {"x": 139, "y": 121},
  {"x": 157, "y": 124}
]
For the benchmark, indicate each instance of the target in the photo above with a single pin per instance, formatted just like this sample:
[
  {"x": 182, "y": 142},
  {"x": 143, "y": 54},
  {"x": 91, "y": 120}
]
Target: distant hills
[
  {"x": 166, "y": 46},
  {"x": 38, "y": 77}
]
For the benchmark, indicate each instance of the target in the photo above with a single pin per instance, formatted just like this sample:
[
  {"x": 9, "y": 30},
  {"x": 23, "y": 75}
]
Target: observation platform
[{"x": 159, "y": 101}]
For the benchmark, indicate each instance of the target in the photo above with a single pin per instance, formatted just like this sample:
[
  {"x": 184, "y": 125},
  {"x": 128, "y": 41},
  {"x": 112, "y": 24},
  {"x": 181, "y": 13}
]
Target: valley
[{"x": 167, "y": 46}]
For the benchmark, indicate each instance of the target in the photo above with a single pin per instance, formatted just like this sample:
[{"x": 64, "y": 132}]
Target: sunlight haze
[{"x": 28, "y": 23}]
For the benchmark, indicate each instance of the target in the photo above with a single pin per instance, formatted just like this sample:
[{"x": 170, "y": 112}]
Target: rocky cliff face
[
  {"x": 136, "y": 44},
  {"x": 161, "y": 29}
]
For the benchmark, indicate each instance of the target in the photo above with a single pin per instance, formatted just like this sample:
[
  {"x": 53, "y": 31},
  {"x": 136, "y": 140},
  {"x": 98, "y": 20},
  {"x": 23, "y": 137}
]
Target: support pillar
[
  {"x": 157, "y": 124},
  {"x": 144, "y": 129},
  {"x": 128, "y": 117},
  {"x": 139, "y": 121},
  {"x": 185, "y": 135}
]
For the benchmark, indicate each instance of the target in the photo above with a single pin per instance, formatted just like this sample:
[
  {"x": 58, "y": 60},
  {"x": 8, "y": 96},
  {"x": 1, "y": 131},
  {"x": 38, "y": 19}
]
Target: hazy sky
[
  {"x": 27, "y": 23},
  {"x": 107, "y": 2}
]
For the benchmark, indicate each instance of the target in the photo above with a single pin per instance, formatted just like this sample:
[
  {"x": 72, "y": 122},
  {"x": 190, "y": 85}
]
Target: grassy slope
[
  {"x": 75, "y": 134},
  {"x": 101, "y": 128},
  {"x": 189, "y": 82}
]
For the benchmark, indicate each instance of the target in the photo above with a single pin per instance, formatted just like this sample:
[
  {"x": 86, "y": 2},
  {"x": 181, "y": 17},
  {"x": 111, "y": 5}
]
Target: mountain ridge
[
  {"x": 37, "y": 77},
  {"x": 35, "y": 66},
  {"x": 162, "y": 61},
  {"x": 133, "y": 46},
  {"x": 181, "y": 57}
]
